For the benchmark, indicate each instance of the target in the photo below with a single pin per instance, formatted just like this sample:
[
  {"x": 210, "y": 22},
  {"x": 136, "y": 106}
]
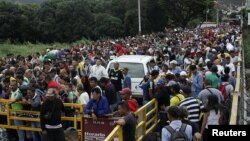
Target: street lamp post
[
  {"x": 217, "y": 12},
  {"x": 139, "y": 16},
  {"x": 217, "y": 15}
]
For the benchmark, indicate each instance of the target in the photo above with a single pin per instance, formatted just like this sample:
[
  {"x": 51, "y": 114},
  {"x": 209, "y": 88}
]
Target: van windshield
[{"x": 135, "y": 70}]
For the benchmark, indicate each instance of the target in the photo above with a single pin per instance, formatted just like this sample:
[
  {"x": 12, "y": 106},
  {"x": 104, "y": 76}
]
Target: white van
[{"x": 138, "y": 68}]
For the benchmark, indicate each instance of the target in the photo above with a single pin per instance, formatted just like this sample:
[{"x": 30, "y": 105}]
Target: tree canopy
[{"x": 68, "y": 21}]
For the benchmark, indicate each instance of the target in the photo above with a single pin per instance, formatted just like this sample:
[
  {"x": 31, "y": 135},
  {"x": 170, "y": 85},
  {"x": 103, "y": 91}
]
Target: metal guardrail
[
  {"x": 117, "y": 131},
  {"x": 235, "y": 96},
  {"x": 147, "y": 120},
  {"x": 239, "y": 98},
  {"x": 10, "y": 115}
]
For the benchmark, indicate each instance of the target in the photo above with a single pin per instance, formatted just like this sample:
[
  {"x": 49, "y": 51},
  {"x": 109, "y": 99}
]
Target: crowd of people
[{"x": 193, "y": 73}]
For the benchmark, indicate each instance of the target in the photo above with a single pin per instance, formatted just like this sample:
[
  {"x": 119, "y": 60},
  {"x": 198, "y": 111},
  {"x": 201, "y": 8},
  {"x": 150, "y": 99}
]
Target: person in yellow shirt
[
  {"x": 223, "y": 55},
  {"x": 177, "y": 97}
]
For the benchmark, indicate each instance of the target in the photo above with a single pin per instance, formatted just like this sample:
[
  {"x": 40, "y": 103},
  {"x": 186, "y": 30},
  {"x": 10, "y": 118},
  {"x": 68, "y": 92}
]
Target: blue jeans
[
  {"x": 20, "y": 133},
  {"x": 36, "y": 136}
]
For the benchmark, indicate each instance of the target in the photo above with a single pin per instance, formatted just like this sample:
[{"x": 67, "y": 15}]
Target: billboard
[{"x": 98, "y": 130}]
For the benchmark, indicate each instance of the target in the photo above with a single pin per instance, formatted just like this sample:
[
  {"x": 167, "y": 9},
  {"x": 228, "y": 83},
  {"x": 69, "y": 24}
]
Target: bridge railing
[
  {"x": 235, "y": 110},
  {"x": 147, "y": 120},
  {"x": 9, "y": 115}
]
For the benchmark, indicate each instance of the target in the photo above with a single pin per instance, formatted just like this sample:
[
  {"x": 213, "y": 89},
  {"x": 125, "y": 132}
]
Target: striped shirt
[{"x": 194, "y": 107}]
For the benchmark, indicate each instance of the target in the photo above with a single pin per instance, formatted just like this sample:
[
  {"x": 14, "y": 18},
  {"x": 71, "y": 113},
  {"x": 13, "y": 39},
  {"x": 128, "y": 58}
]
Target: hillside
[{"x": 25, "y": 1}]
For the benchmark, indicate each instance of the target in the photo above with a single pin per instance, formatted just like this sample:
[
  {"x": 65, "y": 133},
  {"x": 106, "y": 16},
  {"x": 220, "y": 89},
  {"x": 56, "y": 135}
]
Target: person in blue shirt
[
  {"x": 143, "y": 85},
  {"x": 127, "y": 79},
  {"x": 98, "y": 106},
  {"x": 34, "y": 100},
  {"x": 196, "y": 80},
  {"x": 174, "y": 68}
]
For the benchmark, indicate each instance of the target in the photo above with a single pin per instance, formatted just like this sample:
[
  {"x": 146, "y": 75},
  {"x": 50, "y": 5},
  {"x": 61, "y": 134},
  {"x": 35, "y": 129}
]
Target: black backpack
[{"x": 178, "y": 135}]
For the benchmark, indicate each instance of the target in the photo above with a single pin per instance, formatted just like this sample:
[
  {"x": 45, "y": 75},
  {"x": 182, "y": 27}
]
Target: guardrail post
[
  {"x": 144, "y": 119},
  {"x": 120, "y": 134},
  {"x": 156, "y": 112},
  {"x": 8, "y": 113},
  {"x": 75, "y": 121},
  {"x": 82, "y": 125}
]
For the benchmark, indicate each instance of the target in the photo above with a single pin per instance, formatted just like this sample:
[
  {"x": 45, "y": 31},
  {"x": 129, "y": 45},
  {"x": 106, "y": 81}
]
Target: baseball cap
[
  {"x": 166, "y": 55},
  {"x": 12, "y": 79},
  {"x": 160, "y": 82},
  {"x": 125, "y": 91},
  {"x": 173, "y": 62},
  {"x": 183, "y": 73},
  {"x": 50, "y": 92}
]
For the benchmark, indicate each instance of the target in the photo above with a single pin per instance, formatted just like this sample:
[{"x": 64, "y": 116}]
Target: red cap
[
  {"x": 133, "y": 105},
  {"x": 126, "y": 91}
]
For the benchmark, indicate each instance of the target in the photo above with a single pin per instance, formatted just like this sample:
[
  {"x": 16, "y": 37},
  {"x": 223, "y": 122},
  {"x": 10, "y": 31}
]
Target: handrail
[
  {"x": 238, "y": 75},
  {"x": 236, "y": 93},
  {"x": 116, "y": 131},
  {"x": 10, "y": 114},
  {"x": 147, "y": 120}
]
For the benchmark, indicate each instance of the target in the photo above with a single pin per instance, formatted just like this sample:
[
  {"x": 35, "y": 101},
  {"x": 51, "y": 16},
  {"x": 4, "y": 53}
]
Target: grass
[
  {"x": 29, "y": 48},
  {"x": 26, "y": 49}
]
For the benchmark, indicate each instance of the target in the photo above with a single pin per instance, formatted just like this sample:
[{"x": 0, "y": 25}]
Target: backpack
[
  {"x": 223, "y": 91},
  {"x": 226, "y": 115},
  {"x": 178, "y": 135}
]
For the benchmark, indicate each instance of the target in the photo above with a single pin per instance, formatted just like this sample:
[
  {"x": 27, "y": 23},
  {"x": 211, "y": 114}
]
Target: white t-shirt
[
  {"x": 213, "y": 118},
  {"x": 232, "y": 68},
  {"x": 98, "y": 72},
  {"x": 235, "y": 59},
  {"x": 83, "y": 98},
  {"x": 220, "y": 69}
]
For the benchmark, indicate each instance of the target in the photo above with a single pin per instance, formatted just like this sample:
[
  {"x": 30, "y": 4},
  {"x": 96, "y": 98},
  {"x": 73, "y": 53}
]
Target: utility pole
[
  {"x": 206, "y": 12},
  {"x": 217, "y": 13},
  {"x": 139, "y": 16}
]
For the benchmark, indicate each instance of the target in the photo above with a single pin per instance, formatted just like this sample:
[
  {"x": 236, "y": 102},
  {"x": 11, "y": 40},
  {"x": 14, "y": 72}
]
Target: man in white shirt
[
  {"x": 83, "y": 96},
  {"x": 98, "y": 70},
  {"x": 230, "y": 65}
]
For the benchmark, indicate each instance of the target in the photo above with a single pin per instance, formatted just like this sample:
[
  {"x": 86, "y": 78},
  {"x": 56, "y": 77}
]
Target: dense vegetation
[{"x": 68, "y": 21}]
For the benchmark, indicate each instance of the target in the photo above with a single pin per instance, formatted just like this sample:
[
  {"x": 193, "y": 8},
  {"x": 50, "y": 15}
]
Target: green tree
[
  {"x": 74, "y": 20},
  {"x": 14, "y": 22},
  {"x": 64, "y": 21},
  {"x": 108, "y": 26},
  {"x": 183, "y": 11},
  {"x": 155, "y": 15},
  {"x": 46, "y": 21}
]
